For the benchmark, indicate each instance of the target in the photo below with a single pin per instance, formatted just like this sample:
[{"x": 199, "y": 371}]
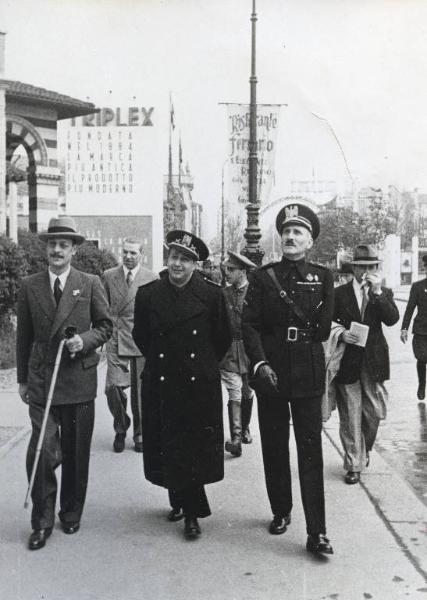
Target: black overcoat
[
  {"x": 380, "y": 309},
  {"x": 417, "y": 299},
  {"x": 183, "y": 333},
  {"x": 300, "y": 367}
]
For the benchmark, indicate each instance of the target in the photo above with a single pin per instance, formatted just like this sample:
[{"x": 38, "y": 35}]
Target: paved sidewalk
[{"x": 127, "y": 550}]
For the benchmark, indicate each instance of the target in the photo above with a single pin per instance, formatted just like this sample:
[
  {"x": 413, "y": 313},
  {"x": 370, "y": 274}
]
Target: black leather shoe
[
  {"x": 38, "y": 538},
  {"x": 71, "y": 527},
  {"x": 191, "y": 528},
  {"x": 138, "y": 447},
  {"x": 176, "y": 514},
  {"x": 319, "y": 544},
  {"x": 352, "y": 477},
  {"x": 279, "y": 524},
  {"x": 421, "y": 393},
  {"x": 119, "y": 442}
]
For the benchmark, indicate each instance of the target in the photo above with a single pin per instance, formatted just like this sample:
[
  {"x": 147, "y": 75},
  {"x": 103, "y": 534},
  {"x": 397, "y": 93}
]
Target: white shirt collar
[
  {"x": 62, "y": 278},
  {"x": 134, "y": 271}
]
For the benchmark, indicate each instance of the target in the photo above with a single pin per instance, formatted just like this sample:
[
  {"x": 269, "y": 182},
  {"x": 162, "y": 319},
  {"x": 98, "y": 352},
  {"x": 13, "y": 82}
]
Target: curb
[{"x": 396, "y": 503}]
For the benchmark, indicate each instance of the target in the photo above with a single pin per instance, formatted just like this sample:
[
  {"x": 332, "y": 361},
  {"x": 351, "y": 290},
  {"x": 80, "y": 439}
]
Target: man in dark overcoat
[
  {"x": 48, "y": 303},
  {"x": 181, "y": 328},
  {"x": 124, "y": 360},
  {"x": 418, "y": 300},
  {"x": 235, "y": 364},
  {"x": 362, "y": 396},
  {"x": 287, "y": 315}
]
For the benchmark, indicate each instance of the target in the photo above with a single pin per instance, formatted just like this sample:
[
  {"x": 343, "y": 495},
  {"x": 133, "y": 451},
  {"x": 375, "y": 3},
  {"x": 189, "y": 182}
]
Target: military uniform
[
  {"x": 183, "y": 333},
  {"x": 292, "y": 346}
]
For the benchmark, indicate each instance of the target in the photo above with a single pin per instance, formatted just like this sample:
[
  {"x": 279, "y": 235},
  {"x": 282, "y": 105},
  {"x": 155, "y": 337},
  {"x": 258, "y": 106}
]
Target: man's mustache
[
  {"x": 55, "y": 255},
  {"x": 289, "y": 243}
]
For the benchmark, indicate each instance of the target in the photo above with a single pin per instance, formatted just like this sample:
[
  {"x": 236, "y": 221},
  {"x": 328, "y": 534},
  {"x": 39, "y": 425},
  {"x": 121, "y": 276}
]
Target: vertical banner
[{"x": 238, "y": 118}]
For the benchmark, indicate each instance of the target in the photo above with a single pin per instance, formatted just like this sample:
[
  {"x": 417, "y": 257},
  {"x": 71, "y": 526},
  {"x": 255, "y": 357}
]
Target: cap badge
[
  {"x": 309, "y": 277},
  {"x": 291, "y": 211},
  {"x": 316, "y": 278}
]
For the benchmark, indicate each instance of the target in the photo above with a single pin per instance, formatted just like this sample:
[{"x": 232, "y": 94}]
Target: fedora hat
[
  {"x": 62, "y": 227},
  {"x": 188, "y": 243},
  {"x": 364, "y": 254},
  {"x": 298, "y": 214}
]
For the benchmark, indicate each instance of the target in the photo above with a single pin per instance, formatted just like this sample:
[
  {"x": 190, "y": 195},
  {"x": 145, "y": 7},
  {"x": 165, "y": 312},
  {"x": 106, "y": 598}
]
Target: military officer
[
  {"x": 181, "y": 328},
  {"x": 234, "y": 366},
  {"x": 288, "y": 311}
]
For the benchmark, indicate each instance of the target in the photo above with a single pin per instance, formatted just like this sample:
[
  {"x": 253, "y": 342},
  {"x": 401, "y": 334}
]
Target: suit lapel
[
  {"x": 129, "y": 293},
  {"x": 119, "y": 282},
  {"x": 70, "y": 295},
  {"x": 353, "y": 307},
  {"x": 44, "y": 296}
]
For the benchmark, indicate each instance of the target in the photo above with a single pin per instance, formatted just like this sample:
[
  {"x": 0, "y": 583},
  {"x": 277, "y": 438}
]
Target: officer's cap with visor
[
  {"x": 238, "y": 261},
  {"x": 187, "y": 243},
  {"x": 298, "y": 214}
]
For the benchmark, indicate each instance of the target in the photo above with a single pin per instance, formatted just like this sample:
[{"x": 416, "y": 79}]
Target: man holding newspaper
[{"x": 361, "y": 306}]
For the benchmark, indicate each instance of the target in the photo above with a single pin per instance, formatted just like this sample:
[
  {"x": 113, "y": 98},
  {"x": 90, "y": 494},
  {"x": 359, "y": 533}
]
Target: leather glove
[{"x": 267, "y": 379}]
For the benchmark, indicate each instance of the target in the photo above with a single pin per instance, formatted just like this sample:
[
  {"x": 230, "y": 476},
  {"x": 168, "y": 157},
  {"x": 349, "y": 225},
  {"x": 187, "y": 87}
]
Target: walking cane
[{"x": 69, "y": 333}]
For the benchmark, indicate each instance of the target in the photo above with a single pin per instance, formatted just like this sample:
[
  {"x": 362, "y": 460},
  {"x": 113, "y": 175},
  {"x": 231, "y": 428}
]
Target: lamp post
[{"x": 252, "y": 233}]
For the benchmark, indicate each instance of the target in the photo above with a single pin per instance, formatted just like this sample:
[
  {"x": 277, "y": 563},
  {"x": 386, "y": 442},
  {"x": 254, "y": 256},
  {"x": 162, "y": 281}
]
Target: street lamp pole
[
  {"x": 252, "y": 233},
  {"x": 222, "y": 216}
]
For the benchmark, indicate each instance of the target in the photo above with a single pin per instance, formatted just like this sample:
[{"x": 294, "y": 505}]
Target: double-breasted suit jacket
[
  {"x": 183, "y": 333},
  {"x": 121, "y": 298},
  {"x": 380, "y": 309},
  {"x": 300, "y": 366},
  {"x": 41, "y": 326},
  {"x": 417, "y": 299}
]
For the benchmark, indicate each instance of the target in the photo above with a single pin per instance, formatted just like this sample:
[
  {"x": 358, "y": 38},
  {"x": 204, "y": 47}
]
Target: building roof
[{"x": 66, "y": 106}]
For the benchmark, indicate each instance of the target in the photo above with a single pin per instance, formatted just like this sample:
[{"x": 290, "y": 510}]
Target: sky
[{"x": 359, "y": 64}]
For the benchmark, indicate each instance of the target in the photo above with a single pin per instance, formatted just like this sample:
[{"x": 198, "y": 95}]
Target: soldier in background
[{"x": 235, "y": 364}]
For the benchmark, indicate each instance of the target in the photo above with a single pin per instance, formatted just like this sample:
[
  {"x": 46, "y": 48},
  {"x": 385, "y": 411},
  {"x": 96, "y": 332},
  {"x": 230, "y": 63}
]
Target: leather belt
[{"x": 295, "y": 334}]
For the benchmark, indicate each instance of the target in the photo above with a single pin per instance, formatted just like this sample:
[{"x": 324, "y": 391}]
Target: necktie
[
  {"x": 129, "y": 278},
  {"x": 57, "y": 292},
  {"x": 364, "y": 301}
]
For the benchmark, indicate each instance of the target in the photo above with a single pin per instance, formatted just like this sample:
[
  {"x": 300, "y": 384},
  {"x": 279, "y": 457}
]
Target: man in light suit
[
  {"x": 48, "y": 303},
  {"x": 125, "y": 361},
  {"x": 362, "y": 396}
]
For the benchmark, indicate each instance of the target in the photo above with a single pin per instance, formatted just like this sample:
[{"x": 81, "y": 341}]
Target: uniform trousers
[
  {"x": 192, "y": 500},
  {"x": 274, "y": 416},
  {"x": 361, "y": 406},
  {"x": 67, "y": 442},
  {"x": 117, "y": 397},
  {"x": 233, "y": 383}
]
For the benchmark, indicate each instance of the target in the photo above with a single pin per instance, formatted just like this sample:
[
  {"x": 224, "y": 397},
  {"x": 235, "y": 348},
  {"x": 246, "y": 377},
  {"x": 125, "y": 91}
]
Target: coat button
[
  {"x": 161, "y": 355},
  {"x": 192, "y": 355},
  {"x": 162, "y": 378},
  {"x": 194, "y": 331},
  {"x": 193, "y": 378}
]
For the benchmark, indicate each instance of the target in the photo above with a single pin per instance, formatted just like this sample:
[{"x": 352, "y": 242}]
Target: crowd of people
[{"x": 179, "y": 342}]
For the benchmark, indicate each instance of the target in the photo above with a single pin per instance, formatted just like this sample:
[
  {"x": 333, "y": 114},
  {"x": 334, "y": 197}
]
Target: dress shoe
[
  {"x": 318, "y": 543},
  {"x": 176, "y": 514},
  {"x": 38, "y": 538},
  {"x": 191, "y": 528},
  {"x": 279, "y": 524},
  {"x": 138, "y": 447},
  {"x": 119, "y": 442},
  {"x": 234, "y": 447},
  {"x": 421, "y": 393},
  {"x": 352, "y": 477},
  {"x": 71, "y": 527}
]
